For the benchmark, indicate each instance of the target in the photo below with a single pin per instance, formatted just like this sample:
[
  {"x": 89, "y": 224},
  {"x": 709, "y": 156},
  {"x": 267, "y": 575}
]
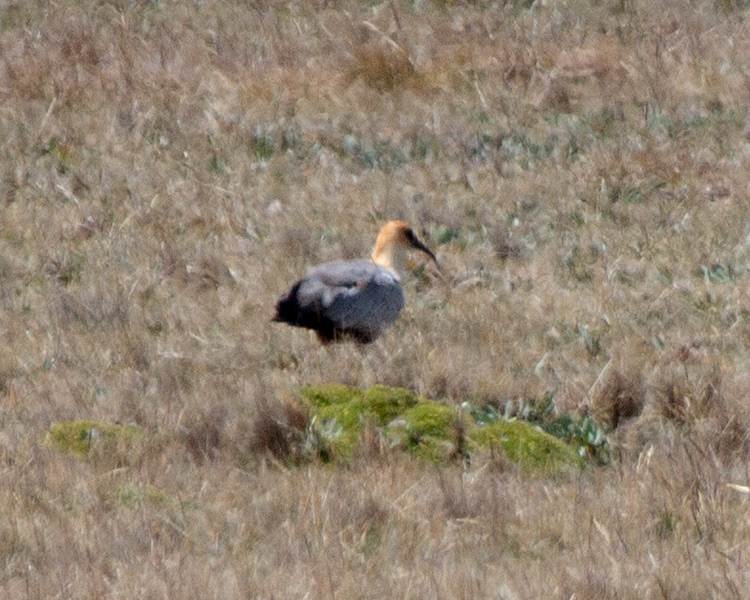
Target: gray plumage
[{"x": 355, "y": 299}]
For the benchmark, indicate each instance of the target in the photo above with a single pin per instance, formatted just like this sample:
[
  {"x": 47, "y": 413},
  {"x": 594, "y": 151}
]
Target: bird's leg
[{"x": 377, "y": 356}]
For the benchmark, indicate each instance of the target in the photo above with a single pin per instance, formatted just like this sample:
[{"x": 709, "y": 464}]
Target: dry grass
[{"x": 168, "y": 168}]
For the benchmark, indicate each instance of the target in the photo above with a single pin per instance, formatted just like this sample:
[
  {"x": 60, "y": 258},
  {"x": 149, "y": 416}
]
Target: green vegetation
[
  {"x": 584, "y": 433},
  {"x": 80, "y": 437},
  {"x": 431, "y": 431},
  {"x": 533, "y": 449},
  {"x": 339, "y": 414},
  {"x": 437, "y": 432}
]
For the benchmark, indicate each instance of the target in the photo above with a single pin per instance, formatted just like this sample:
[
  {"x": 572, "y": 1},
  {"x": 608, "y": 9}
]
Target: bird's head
[{"x": 394, "y": 239}]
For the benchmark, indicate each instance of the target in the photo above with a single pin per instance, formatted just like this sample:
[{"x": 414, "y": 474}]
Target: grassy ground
[{"x": 169, "y": 168}]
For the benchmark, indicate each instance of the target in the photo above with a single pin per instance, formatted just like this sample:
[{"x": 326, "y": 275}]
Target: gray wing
[{"x": 356, "y": 294}]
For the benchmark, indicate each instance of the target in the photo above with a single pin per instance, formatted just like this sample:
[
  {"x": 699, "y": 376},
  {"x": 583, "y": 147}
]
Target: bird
[{"x": 353, "y": 299}]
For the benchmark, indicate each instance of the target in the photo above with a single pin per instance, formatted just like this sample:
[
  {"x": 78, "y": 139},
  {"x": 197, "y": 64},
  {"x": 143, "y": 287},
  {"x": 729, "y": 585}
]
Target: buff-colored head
[{"x": 394, "y": 239}]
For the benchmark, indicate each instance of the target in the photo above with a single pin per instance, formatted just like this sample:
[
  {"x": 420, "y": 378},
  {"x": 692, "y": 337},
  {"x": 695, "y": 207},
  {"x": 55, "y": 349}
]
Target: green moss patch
[
  {"x": 430, "y": 419},
  {"x": 385, "y": 403},
  {"x": 341, "y": 412},
  {"x": 428, "y": 430},
  {"x": 80, "y": 437},
  {"x": 527, "y": 445},
  {"x": 380, "y": 402},
  {"x": 432, "y": 431},
  {"x": 319, "y": 396}
]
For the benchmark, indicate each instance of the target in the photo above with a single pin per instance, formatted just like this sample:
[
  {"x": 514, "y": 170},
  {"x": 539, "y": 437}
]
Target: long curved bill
[{"x": 420, "y": 246}]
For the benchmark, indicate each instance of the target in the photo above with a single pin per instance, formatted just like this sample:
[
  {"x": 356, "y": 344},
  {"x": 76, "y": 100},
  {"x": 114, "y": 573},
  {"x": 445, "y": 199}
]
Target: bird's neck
[{"x": 389, "y": 256}]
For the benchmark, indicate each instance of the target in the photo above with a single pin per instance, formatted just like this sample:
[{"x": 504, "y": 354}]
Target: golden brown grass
[{"x": 168, "y": 168}]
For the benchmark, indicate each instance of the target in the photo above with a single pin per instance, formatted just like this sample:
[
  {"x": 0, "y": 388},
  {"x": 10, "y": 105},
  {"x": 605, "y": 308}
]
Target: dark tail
[{"x": 287, "y": 309}]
